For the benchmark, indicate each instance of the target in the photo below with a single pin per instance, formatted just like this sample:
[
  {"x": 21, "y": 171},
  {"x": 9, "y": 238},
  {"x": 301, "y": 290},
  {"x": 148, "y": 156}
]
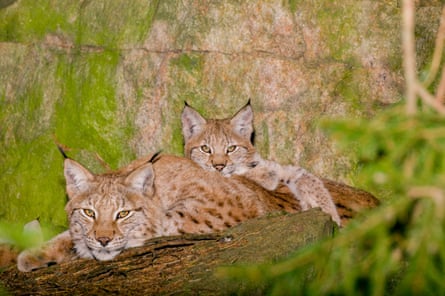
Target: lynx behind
[{"x": 224, "y": 145}]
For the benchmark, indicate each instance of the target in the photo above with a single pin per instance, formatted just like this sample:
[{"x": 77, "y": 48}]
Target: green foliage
[
  {"x": 394, "y": 152},
  {"x": 25, "y": 237},
  {"x": 397, "y": 249}
]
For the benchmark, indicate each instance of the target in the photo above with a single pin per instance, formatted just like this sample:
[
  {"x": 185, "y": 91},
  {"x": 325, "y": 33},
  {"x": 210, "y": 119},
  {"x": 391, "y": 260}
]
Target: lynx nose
[
  {"x": 219, "y": 166},
  {"x": 103, "y": 240}
]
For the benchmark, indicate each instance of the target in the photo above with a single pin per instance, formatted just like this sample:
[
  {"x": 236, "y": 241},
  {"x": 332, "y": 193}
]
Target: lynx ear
[
  {"x": 242, "y": 122},
  {"x": 142, "y": 179},
  {"x": 192, "y": 122},
  {"x": 77, "y": 178}
]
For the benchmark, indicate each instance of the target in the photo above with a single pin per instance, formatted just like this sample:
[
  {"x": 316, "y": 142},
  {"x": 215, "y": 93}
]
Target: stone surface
[{"x": 108, "y": 79}]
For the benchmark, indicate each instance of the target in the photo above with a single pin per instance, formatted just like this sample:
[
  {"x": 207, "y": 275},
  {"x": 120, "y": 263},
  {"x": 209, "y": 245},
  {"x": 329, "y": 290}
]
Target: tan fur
[
  {"x": 115, "y": 211},
  {"x": 8, "y": 255},
  {"x": 224, "y": 145}
]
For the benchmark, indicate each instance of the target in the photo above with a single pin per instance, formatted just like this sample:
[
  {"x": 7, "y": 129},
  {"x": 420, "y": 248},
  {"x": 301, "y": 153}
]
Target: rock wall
[{"x": 108, "y": 80}]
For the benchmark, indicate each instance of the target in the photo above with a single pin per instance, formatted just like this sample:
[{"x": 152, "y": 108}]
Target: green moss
[
  {"x": 113, "y": 24},
  {"x": 101, "y": 23},
  {"x": 291, "y": 4},
  {"x": 176, "y": 145},
  {"x": 188, "y": 72},
  {"x": 263, "y": 146},
  {"x": 86, "y": 113},
  {"x": 341, "y": 34},
  {"x": 347, "y": 89},
  {"x": 189, "y": 62},
  {"x": 27, "y": 21},
  {"x": 84, "y": 117},
  {"x": 191, "y": 30},
  {"x": 32, "y": 183}
]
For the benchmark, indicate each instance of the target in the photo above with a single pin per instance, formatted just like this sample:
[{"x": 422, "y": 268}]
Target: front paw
[
  {"x": 291, "y": 174},
  {"x": 55, "y": 251},
  {"x": 33, "y": 259}
]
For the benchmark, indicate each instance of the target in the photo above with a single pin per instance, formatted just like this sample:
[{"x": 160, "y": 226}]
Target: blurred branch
[
  {"x": 409, "y": 55},
  {"x": 428, "y": 98},
  {"x": 414, "y": 88},
  {"x": 435, "y": 193},
  {"x": 440, "y": 95},
  {"x": 437, "y": 55}
]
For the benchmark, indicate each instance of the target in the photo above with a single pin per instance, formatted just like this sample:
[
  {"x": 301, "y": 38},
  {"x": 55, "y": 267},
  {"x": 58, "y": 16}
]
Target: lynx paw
[
  {"x": 310, "y": 191},
  {"x": 57, "y": 250},
  {"x": 30, "y": 260},
  {"x": 291, "y": 174}
]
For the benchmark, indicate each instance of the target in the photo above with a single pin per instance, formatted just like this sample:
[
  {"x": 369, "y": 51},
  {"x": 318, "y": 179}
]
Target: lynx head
[
  {"x": 109, "y": 212},
  {"x": 222, "y": 145}
]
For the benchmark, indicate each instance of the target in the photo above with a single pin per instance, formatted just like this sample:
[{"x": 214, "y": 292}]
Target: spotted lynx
[
  {"x": 225, "y": 146},
  {"x": 114, "y": 211}
]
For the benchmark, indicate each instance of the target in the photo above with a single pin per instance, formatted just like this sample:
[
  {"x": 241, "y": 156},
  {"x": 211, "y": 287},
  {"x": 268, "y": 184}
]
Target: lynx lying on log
[
  {"x": 225, "y": 146},
  {"x": 168, "y": 196}
]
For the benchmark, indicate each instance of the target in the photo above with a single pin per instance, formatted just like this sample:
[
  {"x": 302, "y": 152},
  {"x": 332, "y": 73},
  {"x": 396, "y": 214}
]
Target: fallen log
[{"x": 182, "y": 265}]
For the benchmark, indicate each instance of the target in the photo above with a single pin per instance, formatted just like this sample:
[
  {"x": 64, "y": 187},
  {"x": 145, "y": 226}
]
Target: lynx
[
  {"x": 225, "y": 146},
  {"x": 170, "y": 195}
]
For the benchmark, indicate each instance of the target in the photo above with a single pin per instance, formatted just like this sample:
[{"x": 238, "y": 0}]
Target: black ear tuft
[
  {"x": 186, "y": 104},
  {"x": 155, "y": 157},
  {"x": 62, "y": 151}
]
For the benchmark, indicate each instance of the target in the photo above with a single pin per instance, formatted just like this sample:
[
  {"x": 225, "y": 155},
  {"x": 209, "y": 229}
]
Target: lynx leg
[
  {"x": 266, "y": 173},
  {"x": 311, "y": 193}
]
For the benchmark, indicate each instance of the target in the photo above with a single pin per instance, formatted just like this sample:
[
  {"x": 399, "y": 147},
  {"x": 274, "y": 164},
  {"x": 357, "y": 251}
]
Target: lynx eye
[
  {"x": 89, "y": 213},
  {"x": 205, "y": 148},
  {"x": 231, "y": 148},
  {"x": 122, "y": 214}
]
